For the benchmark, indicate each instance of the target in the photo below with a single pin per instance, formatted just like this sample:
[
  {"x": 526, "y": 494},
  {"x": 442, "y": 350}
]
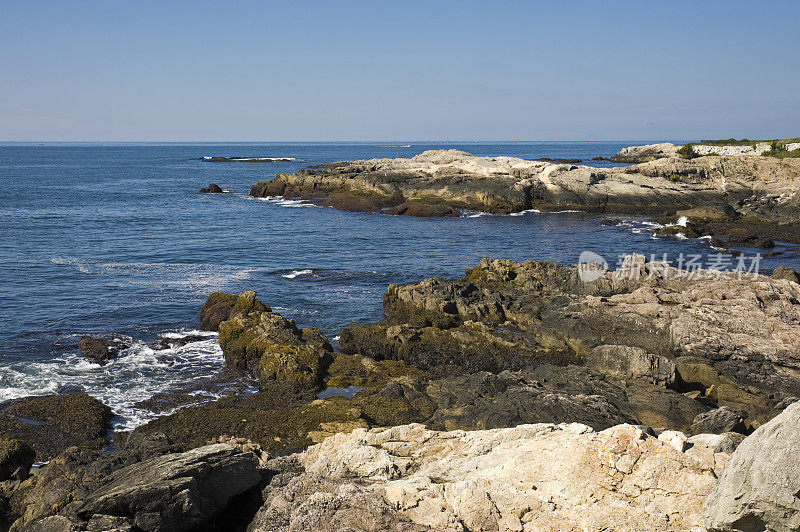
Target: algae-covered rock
[
  {"x": 271, "y": 347},
  {"x": 16, "y": 459},
  {"x": 51, "y": 423}
]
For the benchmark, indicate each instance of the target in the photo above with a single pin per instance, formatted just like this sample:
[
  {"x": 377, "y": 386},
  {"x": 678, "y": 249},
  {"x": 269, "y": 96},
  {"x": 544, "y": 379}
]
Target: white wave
[
  {"x": 295, "y": 273},
  {"x": 336, "y": 338},
  {"x": 245, "y": 159},
  {"x": 682, "y": 221},
  {"x": 180, "y": 276},
  {"x": 563, "y": 212},
  {"x": 283, "y": 202},
  {"x": 528, "y": 211},
  {"x": 137, "y": 374}
]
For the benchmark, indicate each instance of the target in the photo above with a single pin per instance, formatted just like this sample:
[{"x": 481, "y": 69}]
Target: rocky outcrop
[
  {"x": 271, "y": 347},
  {"x": 440, "y": 182},
  {"x": 531, "y": 477},
  {"x": 294, "y": 500},
  {"x": 515, "y": 343},
  {"x": 648, "y": 152},
  {"x": 721, "y": 340},
  {"x": 51, "y": 423},
  {"x": 759, "y": 485},
  {"x": 99, "y": 350}
]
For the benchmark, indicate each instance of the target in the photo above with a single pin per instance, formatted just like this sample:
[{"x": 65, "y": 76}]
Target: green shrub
[{"x": 687, "y": 151}]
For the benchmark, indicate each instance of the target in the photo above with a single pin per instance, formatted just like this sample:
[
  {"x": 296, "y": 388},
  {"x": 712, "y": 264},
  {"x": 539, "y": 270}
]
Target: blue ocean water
[{"x": 116, "y": 239}]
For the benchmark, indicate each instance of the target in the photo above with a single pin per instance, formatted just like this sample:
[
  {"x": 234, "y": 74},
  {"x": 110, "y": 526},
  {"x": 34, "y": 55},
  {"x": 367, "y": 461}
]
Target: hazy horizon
[{"x": 453, "y": 71}]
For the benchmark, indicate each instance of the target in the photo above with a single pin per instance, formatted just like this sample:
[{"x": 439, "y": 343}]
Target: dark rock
[
  {"x": 424, "y": 210},
  {"x": 717, "y": 243},
  {"x": 546, "y": 394},
  {"x": 52, "y": 423},
  {"x": 785, "y": 272},
  {"x": 175, "y": 492},
  {"x": 63, "y": 484},
  {"x": 719, "y": 211},
  {"x": 674, "y": 230},
  {"x": 215, "y": 310},
  {"x": 764, "y": 243},
  {"x": 610, "y": 221},
  {"x": 16, "y": 459},
  {"x": 173, "y": 342},
  {"x": 213, "y": 188},
  {"x": 98, "y": 350},
  {"x": 345, "y": 201},
  {"x": 70, "y": 388},
  {"x": 719, "y": 420},
  {"x": 562, "y": 161}
]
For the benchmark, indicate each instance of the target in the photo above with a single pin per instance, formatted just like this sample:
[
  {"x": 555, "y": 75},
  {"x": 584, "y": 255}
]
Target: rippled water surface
[{"x": 117, "y": 240}]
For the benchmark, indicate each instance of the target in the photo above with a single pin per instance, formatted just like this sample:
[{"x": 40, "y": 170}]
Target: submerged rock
[
  {"x": 424, "y": 210},
  {"x": 99, "y": 350},
  {"x": 758, "y": 487},
  {"x": 213, "y": 188}
]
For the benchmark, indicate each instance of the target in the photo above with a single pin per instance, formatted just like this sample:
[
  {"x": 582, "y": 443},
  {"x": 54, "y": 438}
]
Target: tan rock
[{"x": 531, "y": 477}]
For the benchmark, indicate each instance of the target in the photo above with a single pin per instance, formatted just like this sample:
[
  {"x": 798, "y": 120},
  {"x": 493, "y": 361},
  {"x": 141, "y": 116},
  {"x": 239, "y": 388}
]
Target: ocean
[{"x": 117, "y": 240}]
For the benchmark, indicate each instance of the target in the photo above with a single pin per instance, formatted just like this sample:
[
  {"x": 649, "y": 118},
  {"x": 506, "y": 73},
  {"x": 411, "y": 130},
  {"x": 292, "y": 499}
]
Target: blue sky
[{"x": 275, "y": 71}]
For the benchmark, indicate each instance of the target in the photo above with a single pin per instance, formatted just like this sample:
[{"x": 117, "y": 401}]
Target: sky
[{"x": 344, "y": 70}]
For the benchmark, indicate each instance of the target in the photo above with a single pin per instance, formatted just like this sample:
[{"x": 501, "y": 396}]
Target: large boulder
[
  {"x": 759, "y": 487},
  {"x": 271, "y": 347},
  {"x": 544, "y": 476},
  {"x": 216, "y": 309},
  {"x": 175, "y": 492},
  {"x": 51, "y": 423},
  {"x": 628, "y": 362}
]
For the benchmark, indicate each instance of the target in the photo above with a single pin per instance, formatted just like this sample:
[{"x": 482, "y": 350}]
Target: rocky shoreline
[
  {"x": 642, "y": 386},
  {"x": 729, "y": 194}
]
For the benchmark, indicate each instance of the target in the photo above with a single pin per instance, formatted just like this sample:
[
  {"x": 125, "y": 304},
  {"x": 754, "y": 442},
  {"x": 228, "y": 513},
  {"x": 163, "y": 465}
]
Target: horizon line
[{"x": 427, "y": 141}]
